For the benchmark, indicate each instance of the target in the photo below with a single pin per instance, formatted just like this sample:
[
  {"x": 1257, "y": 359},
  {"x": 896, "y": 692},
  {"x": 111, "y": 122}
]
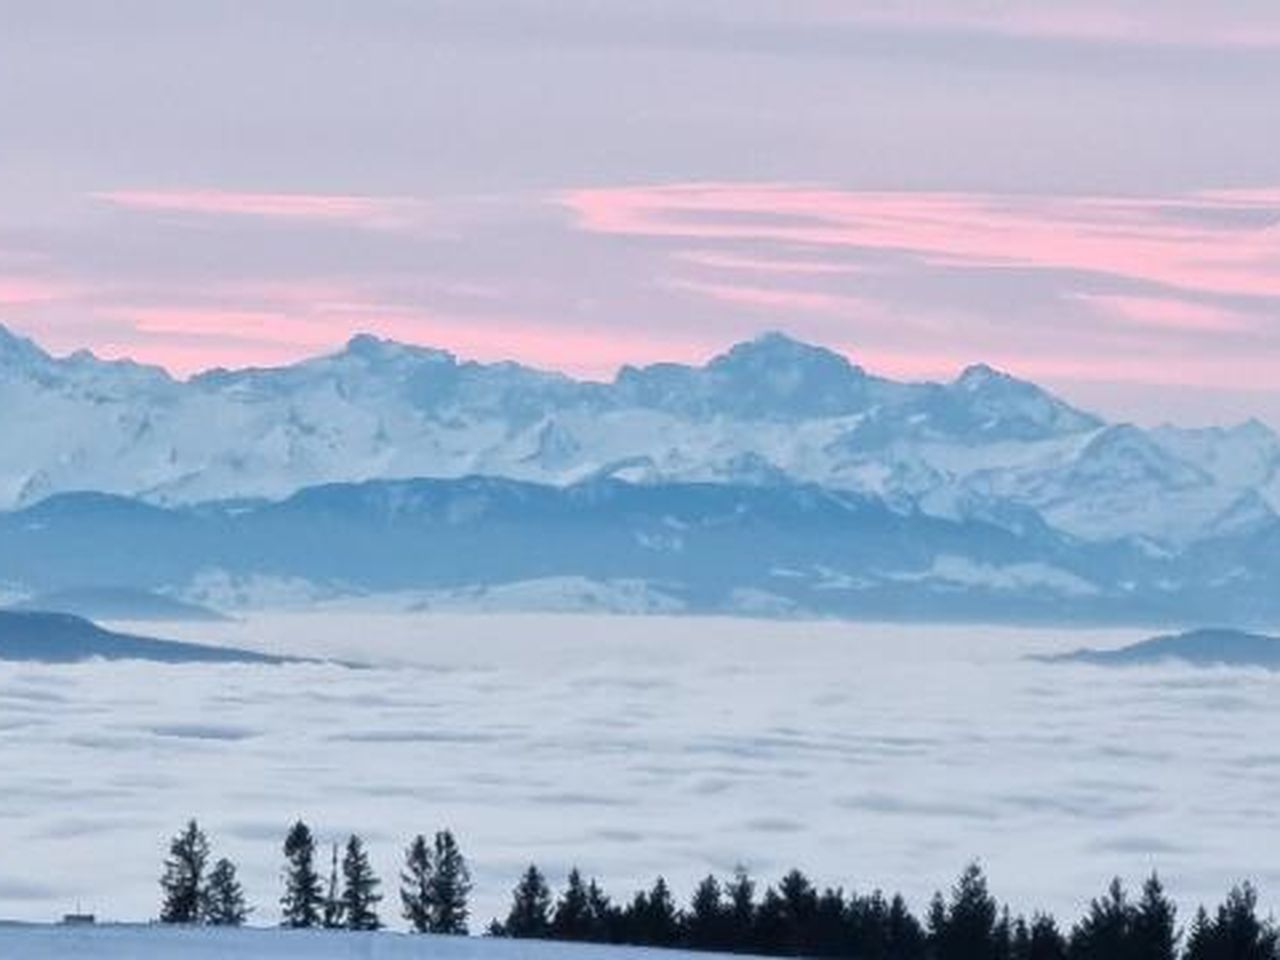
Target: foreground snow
[{"x": 133, "y": 942}]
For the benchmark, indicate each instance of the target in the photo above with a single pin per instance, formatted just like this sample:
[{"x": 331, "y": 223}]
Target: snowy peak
[
  {"x": 769, "y": 378},
  {"x": 998, "y": 403},
  {"x": 766, "y": 412},
  {"x": 1126, "y": 454}
]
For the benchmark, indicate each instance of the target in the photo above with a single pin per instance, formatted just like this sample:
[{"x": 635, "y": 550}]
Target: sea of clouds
[{"x": 869, "y": 755}]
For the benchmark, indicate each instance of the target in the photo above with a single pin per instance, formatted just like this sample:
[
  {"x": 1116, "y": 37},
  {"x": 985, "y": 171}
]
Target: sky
[{"x": 1084, "y": 193}]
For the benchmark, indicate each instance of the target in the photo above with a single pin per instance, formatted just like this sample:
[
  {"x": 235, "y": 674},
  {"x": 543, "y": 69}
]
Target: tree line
[{"x": 790, "y": 918}]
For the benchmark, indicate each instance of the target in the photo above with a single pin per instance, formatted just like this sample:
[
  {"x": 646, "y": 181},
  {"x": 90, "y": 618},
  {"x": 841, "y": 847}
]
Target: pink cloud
[
  {"x": 766, "y": 265},
  {"x": 777, "y": 298},
  {"x": 1201, "y": 23},
  {"x": 24, "y": 290},
  {"x": 1133, "y": 239},
  {"x": 188, "y": 339},
  {"x": 1162, "y": 313},
  {"x": 369, "y": 211}
]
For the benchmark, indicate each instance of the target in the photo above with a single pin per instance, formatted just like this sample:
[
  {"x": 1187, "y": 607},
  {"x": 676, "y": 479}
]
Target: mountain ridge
[{"x": 765, "y": 411}]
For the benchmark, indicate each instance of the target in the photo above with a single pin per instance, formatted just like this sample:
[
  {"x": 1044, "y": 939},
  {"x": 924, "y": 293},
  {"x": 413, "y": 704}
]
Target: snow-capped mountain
[{"x": 986, "y": 446}]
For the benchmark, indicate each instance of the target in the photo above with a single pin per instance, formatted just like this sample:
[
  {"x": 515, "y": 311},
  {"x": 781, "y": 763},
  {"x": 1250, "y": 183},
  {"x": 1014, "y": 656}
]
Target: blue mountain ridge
[{"x": 814, "y": 551}]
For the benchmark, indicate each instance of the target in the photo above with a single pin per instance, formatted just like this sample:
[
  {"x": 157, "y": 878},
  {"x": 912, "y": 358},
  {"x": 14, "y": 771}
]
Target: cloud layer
[{"x": 867, "y": 755}]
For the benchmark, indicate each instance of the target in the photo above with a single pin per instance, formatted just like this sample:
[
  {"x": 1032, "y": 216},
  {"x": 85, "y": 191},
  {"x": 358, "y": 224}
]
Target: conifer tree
[
  {"x": 1153, "y": 932},
  {"x": 302, "y": 903},
  {"x": 1235, "y": 932},
  {"x": 604, "y": 919},
  {"x": 656, "y": 919},
  {"x": 741, "y": 894},
  {"x": 572, "y": 918},
  {"x": 530, "y": 915},
  {"x": 968, "y": 926},
  {"x": 360, "y": 895},
  {"x": 331, "y": 912},
  {"x": 704, "y": 926},
  {"x": 1104, "y": 932},
  {"x": 906, "y": 938},
  {"x": 183, "y": 880},
  {"x": 223, "y": 903},
  {"x": 448, "y": 888},
  {"x": 799, "y": 901},
  {"x": 1047, "y": 941},
  {"x": 415, "y": 885}
]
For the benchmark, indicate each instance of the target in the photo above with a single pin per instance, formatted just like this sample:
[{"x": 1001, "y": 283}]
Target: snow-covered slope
[
  {"x": 767, "y": 411},
  {"x": 123, "y": 942}
]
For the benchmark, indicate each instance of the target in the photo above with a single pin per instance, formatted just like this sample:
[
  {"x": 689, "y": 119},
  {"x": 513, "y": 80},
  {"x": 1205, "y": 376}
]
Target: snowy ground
[
  {"x": 866, "y": 754},
  {"x": 131, "y": 943}
]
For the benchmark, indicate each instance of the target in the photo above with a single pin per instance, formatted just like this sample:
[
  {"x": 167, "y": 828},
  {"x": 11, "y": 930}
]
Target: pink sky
[
  {"x": 1084, "y": 193},
  {"x": 1168, "y": 290}
]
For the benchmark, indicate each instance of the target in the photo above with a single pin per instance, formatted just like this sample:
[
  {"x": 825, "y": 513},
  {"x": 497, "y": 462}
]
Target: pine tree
[
  {"x": 1235, "y": 932},
  {"x": 1104, "y": 933},
  {"x": 799, "y": 907},
  {"x": 604, "y": 916},
  {"x": 969, "y": 925},
  {"x": 415, "y": 885},
  {"x": 183, "y": 880},
  {"x": 1153, "y": 931},
  {"x": 658, "y": 920},
  {"x": 360, "y": 895},
  {"x": 530, "y": 907},
  {"x": 301, "y": 905},
  {"x": 571, "y": 919},
  {"x": 741, "y": 894},
  {"x": 331, "y": 912},
  {"x": 704, "y": 925},
  {"x": 1047, "y": 941},
  {"x": 448, "y": 888},
  {"x": 829, "y": 931},
  {"x": 222, "y": 902},
  {"x": 906, "y": 938}
]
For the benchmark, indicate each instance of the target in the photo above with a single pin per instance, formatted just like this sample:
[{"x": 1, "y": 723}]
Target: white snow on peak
[{"x": 770, "y": 410}]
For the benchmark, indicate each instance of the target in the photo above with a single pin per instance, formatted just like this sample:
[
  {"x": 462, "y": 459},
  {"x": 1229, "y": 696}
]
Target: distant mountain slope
[
  {"x": 117, "y": 603},
  {"x": 778, "y": 549},
  {"x": 63, "y": 638},
  {"x": 1198, "y": 647},
  {"x": 985, "y": 446}
]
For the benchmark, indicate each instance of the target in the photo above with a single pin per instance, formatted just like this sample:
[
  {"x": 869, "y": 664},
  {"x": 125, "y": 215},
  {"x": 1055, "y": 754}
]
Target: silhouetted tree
[
  {"x": 449, "y": 887},
  {"x": 1235, "y": 932},
  {"x": 907, "y": 940},
  {"x": 302, "y": 903},
  {"x": 415, "y": 885},
  {"x": 968, "y": 926},
  {"x": 183, "y": 880},
  {"x": 652, "y": 919},
  {"x": 1046, "y": 940},
  {"x": 830, "y": 930},
  {"x": 572, "y": 917},
  {"x": 331, "y": 911},
  {"x": 530, "y": 915},
  {"x": 1104, "y": 932},
  {"x": 604, "y": 915},
  {"x": 222, "y": 901},
  {"x": 1153, "y": 933},
  {"x": 741, "y": 894},
  {"x": 705, "y": 920},
  {"x": 360, "y": 895}
]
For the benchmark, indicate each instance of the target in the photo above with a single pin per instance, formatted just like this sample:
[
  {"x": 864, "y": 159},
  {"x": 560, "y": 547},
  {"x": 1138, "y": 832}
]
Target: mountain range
[{"x": 779, "y": 475}]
